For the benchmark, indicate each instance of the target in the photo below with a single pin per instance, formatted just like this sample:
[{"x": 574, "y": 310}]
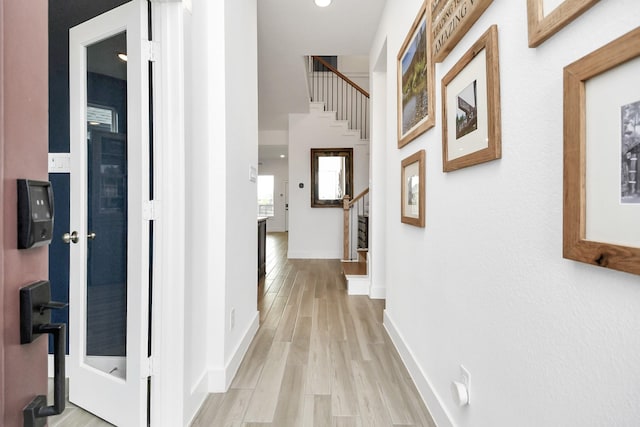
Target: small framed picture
[
  {"x": 413, "y": 189},
  {"x": 547, "y": 17},
  {"x": 601, "y": 150},
  {"x": 416, "y": 82},
  {"x": 471, "y": 106}
]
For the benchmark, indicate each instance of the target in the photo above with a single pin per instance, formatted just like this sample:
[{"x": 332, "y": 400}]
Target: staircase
[{"x": 346, "y": 104}]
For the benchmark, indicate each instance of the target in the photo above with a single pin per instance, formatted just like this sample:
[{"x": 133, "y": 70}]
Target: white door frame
[
  {"x": 168, "y": 371},
  {"x": 122, "y": 402}
]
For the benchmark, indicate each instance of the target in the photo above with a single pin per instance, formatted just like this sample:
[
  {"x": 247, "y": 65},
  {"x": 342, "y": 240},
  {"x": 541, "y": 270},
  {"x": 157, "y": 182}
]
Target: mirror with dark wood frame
[{"x": 331, "y": 176}]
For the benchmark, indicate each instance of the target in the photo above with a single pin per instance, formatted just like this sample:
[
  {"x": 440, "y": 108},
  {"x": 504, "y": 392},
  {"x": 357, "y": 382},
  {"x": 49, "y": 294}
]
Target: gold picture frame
[
  {"x": 595, "y": 214},
  {"x": 471, "y": 127},
  {"x": 542, "y": 26},
  {"x": 416, "y": 81},
  {"x": 412, "y": 189}
]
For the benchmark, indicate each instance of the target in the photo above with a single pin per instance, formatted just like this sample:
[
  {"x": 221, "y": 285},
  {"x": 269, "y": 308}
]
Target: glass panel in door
[{"x": 106, "y": 282}]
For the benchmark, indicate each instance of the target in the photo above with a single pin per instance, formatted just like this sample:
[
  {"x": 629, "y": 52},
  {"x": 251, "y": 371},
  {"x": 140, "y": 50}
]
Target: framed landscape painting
[
  {"x": 416, "y": 99},
  {"x": 601, "y": 150}
]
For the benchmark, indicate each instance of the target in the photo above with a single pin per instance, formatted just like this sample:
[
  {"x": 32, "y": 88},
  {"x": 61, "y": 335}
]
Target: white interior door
[{"x": 110, "y": 250}]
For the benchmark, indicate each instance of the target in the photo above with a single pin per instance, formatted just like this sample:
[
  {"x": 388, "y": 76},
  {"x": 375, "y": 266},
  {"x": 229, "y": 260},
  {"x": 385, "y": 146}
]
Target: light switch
[{"x": 59, "y": 162}]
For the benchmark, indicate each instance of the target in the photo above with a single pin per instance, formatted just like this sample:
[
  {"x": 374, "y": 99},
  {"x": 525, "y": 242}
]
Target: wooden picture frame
[
  {"x": 599, "y": 227},
  {"x": 416, "y": 81},
  {"x": 412, "y": 189},
  {"x": 471, "y": 128},
  {"x": 450, "y": 21},
  {"x": 542, "y": 26}
]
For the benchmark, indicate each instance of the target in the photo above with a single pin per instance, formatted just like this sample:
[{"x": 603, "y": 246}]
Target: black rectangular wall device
[{"x": 35, "y": 213}]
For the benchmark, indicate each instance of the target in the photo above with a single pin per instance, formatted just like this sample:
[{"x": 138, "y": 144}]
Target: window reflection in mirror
[{"x": 331, "y": 176}]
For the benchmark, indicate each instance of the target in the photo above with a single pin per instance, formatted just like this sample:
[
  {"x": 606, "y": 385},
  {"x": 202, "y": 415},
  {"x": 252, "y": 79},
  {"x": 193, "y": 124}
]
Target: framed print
[
  {"x": 450, "y": 21},
  {"x": 471, "y": 106},
  {"x": 416, "y": 98},
  {"x": 547, "y": 17},
  {"x": 412, "y": 189},
  {"x": 601, "y": 147}
]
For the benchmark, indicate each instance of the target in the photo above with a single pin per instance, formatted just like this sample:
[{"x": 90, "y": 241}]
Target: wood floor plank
[
  {"x": 264, "y": 401},
  {"x": 336, "y": 323},
  {"x": 347, "y": 422},
  {"x": 234, "y": 405},
  {"x": 284, "y": 332},
  {"x": 322, "y": 416},
  {"x": 320, "y": 367},
  {"x": 373, "y": 410},
  {"x": 274, "y": 315},
  {"x": 299, "y": 352},
  {"x": 388, "y": 378},
  {"x": 253, "y": 362},
  {"x": 308, "y": 295},
  {"x": 344, "y": 400},
  {"x": 289, "y": 411}
]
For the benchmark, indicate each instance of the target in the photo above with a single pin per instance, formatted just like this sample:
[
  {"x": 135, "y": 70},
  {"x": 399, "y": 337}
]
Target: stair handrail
[
  {"x": 339, "y": 74},
  {"x": 358, "y": 197},
  {"x": 339, "y": 93},
  {"x": 347, "y": 205}
]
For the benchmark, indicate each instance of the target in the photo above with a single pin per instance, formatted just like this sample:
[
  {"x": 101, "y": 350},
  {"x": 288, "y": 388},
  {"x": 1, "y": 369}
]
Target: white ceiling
[{"x": 290, "y": 29}]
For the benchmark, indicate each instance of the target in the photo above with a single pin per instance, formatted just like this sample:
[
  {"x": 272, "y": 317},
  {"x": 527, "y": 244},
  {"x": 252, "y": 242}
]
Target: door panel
[{"x": 109, "y": 264}]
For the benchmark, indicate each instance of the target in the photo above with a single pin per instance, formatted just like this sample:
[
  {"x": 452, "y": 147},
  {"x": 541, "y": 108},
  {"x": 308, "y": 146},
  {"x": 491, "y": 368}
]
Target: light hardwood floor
[{"x": 320, "y": 358}]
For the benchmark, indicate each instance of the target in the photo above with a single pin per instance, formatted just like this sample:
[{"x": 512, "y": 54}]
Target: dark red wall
[{"x": 23, "y": 154}]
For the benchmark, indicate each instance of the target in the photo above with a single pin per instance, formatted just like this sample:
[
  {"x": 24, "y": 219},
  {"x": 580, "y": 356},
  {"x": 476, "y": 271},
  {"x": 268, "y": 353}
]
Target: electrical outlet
[
  {"x": 466, "y": 380},
  {"x": 232, "y": 318}
]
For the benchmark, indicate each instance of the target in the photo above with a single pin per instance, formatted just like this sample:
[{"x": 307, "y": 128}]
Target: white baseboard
[
  {"x": 426, "y": 390},
  {"x": 313, "y": 255},
  {"x": 358, "y": 285},
  {"x": 220, "y": 379},
  {"x": 377, "y": 293}
]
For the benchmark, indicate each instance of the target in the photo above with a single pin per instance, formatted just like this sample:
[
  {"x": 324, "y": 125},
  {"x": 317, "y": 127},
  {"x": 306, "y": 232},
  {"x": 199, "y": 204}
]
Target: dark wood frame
[
  {"x": 330, "y": 152},
  {"x": 575, "y": 245},
  {"x": 542, "y": 27},
  {"x": 429, "y": 120},
  {"x": 419, "y": 158},
  {"x": 488, "y": 42}
]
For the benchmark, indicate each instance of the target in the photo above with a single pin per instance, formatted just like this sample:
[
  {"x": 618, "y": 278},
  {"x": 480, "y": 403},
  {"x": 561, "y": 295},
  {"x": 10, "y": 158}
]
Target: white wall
[
  {"x": 241, "y": 78},
  {"x": 279, "y": 168},
  {"x": 317, "y": 232},
  {"x": 548, "y": 341},
  {"x": 273, "y": 137},
  {"x": 356, "y": 67},
  {"x": 222, "y": 146}
]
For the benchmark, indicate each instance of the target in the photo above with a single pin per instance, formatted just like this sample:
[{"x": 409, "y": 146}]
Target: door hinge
[
  {"x": 150, "y": 50},
  {"x": 150, "y": 210}
]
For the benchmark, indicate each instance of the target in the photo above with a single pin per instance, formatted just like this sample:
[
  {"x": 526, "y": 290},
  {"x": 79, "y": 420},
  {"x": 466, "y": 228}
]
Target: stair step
[
  {"x": 354, "y": 268},
  {"x": 316, "y": 106}
]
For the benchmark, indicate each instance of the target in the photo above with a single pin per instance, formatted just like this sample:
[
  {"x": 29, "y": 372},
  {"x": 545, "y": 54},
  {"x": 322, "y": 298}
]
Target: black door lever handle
[{"x": 35, "y": 319}]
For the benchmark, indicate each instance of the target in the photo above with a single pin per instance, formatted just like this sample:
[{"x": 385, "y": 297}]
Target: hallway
[{"x": 320, "y": 358}]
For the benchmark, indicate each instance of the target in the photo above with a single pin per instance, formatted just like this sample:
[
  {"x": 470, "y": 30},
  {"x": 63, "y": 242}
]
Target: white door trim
[{"x": 168, "y": 381}]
